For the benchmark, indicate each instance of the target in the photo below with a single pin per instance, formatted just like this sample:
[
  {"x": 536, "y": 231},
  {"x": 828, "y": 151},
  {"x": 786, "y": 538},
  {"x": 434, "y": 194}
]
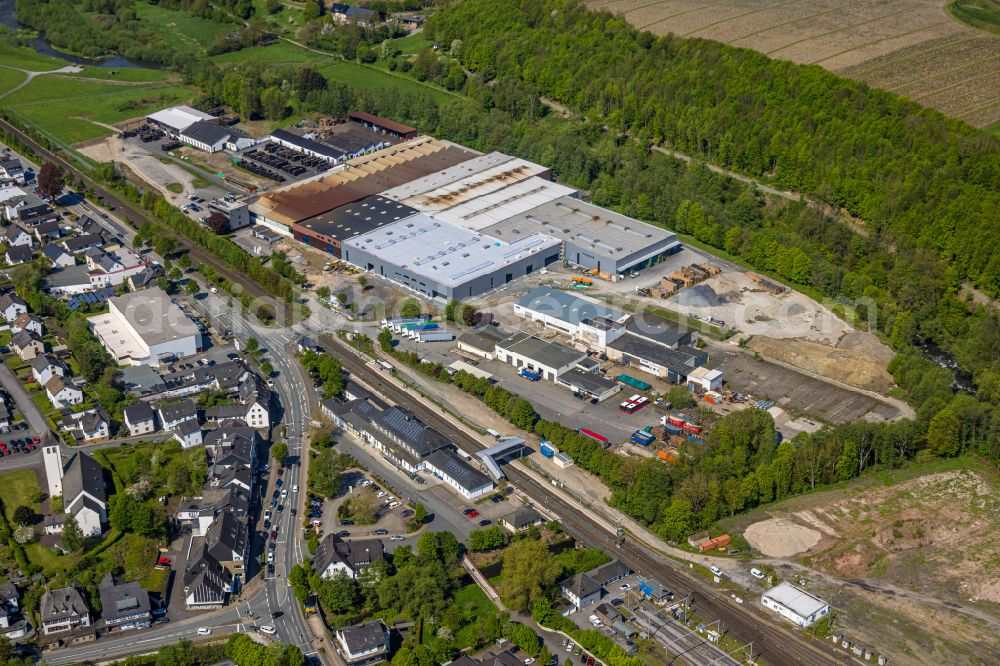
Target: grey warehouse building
[
  {"x": 594, "y": 237},
  {"x": 442, "y": 260}
]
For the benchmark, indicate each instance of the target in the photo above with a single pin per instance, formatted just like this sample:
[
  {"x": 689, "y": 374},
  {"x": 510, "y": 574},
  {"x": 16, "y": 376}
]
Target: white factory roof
[
  {"x": 179, "y": 117},
  {"x": 583, "y": 224},
  {"x": 153, "y": 316},
  {"x": 442, "y": 252},
  {"x": 497, "y": 206},
  {"x": 475, "y": 185},
  {"x": 446, "y": 176},
  {"x": 795, "y": 599}
]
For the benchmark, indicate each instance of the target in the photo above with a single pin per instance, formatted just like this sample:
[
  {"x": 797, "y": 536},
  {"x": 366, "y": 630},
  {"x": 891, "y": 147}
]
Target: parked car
[
  {"x": 757, "y": 573},
  {"x": 396, "y": 537},
  {"x": 716, "y": 570},
  {"x": 204, "y": 631},
  {"x": 380, "y": 532},
  {"x": 343, "y": 533},
  {"x": 163, "y": 562},
  {"x": 274, "y": 534},
  {"x": 346, "y": 523},
  {"x": 484, "y": 522}
]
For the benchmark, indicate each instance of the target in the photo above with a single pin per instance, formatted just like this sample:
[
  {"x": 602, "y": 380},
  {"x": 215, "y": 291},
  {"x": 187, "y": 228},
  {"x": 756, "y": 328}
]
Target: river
[
  {"x": 8, "y": 17},
  {"x": 963, "y": 379}
]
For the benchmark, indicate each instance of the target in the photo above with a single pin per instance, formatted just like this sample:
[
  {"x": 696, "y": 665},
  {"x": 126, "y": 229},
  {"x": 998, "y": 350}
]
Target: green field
[
  {"x": 24, "y": 58},
  {"x": 15, "y": 487},
  {"x": 54, "y": 105},
  {"x": 180, "y": 28},
  {"x": 982, "y": 14},
  {"x": 413, "y": 43},
  {"x": 993, "y": 129},
  {"x": 130, "y": 74},
  {"x": 280, "y": 52},
  {"x": 9, "y": 78},
  {"x": 376, "y": 79}
]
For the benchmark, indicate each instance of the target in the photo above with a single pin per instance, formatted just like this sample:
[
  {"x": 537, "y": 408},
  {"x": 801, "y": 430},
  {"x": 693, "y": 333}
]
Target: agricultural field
[
  {"x": 22, "y": 57},
  {"x": 52, "y": 103},
  {"x": 915, "y": 48},
  {"x": 895, "y": 553},
  {"x": 127, "y": 74}
]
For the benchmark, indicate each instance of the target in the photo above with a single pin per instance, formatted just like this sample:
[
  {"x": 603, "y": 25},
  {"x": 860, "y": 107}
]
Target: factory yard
[
  {"x": 914, "y": 48},
  {"x": 882, "y": 551}
]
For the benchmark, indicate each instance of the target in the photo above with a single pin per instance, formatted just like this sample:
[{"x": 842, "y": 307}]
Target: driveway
[{"x": 29, "y": 410}]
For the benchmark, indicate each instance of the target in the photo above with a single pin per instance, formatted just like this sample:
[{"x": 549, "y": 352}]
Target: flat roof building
[
  {"x": 358, "y": 178},
  {"x": 380, "y": 124},
  {"x": 146, "y": 327},
  {"x": 594, "y": 237},
  {"x": 795, "y": 604},
  {"x": 497, "y": 206},
  {"x": 476, "y": 185},
  {"x": 441, "y": 260},
  {"x": 176, "y": 119},
  {"x": 552, "y": 360},
  {"x": 445, "y": 176},
  {"x": 327, "y": 231}
]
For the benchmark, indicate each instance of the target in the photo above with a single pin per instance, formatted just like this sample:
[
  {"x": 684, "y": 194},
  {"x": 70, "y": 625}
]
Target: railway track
[
  {"x": 772, "y": 643},
  {"x": 136, "y": 215}
]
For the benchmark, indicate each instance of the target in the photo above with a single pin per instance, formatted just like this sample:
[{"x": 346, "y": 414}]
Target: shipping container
[
  {"x": 547, "y": 449},
  {"x": 594, "y": 436},
  {"x": 642, "y": 437},
  {"x": 632, "y": 381},
  {"x": 666, "y": 455},
  {"x": 673, "y": 420},
  {"x": 692, "y": 427}
]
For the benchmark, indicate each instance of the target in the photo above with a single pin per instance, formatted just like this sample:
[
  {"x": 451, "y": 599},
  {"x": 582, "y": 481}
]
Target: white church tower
[{"x": 53, "y": 469}]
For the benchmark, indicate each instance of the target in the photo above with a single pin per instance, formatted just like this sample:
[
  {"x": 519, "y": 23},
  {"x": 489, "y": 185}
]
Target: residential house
[
  {"x": 28, "y": 322},
  {"x": 12, "y": 169},
  {"x": 521, "y": 519},
  {"x": 45, "y": 367},
  {"x": 63, "y": 392},
  {"x": 173, "y": 414},
  {"x": 207, "y": 583},
  {"x": 334, "y": 555},
  {"x": 124, "y": 606},
  {"x": 253, "y": 408},
  {"x": 27, "y": 345},
  {"x": 12, "y": 305},
  {"x": 49, "y": 230},
  {"x": 77, "y": 244},
  {"x": 231, "y": 446},
  {"x": 139, "y": 418},
  {"x": 90, "y": 426},
  {"x": 84, "y": 495},
  {"x": 188, "y": 434},
  {"x": 581, "y": 590},
  {"x": 59, "y": 257},
  {"x": 63, "y": 610},
  {"x": 226, "y": 540},
  {"x": 18, "y": 254},
  {"x": 142, "y": 279},
  {"x": 365, "y": 643},
  {"x": 9, "y": 604},
  {"x": 27, "y": 210},
  {"x": 110, "y": 269},
  {"x": 15, "y": 236}
]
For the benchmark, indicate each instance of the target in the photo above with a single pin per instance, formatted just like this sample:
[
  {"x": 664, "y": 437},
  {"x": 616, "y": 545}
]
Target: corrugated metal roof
[
  {"x": 504, "y": 203},
  {"x": 446, "y": 176},
  {"x": 475, "y": 185}
]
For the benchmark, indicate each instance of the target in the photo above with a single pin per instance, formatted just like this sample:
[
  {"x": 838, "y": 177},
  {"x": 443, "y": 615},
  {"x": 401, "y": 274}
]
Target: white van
[
  {"x": 757, "y": 573},
  {"x": 716, "y": 570},
  {"x": 268, "y": 629}
]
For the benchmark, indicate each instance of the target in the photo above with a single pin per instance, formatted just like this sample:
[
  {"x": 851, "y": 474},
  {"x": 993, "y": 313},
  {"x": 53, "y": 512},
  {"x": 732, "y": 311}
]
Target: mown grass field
[
  {"x": 279, "y": 52},
  {"x": 413, "y": 43},
  {"x": 180, "y": 28},
  {"x": 982, "y": 14},
  {"x": 372, "y": 78},
  {"x": 10, "y": 78},
  {"x": 15, "y": 489},
  {"x": 25, "y": 58},
  {"x": 54, "y": 105},
  {"x": 130, "y": 74}
]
